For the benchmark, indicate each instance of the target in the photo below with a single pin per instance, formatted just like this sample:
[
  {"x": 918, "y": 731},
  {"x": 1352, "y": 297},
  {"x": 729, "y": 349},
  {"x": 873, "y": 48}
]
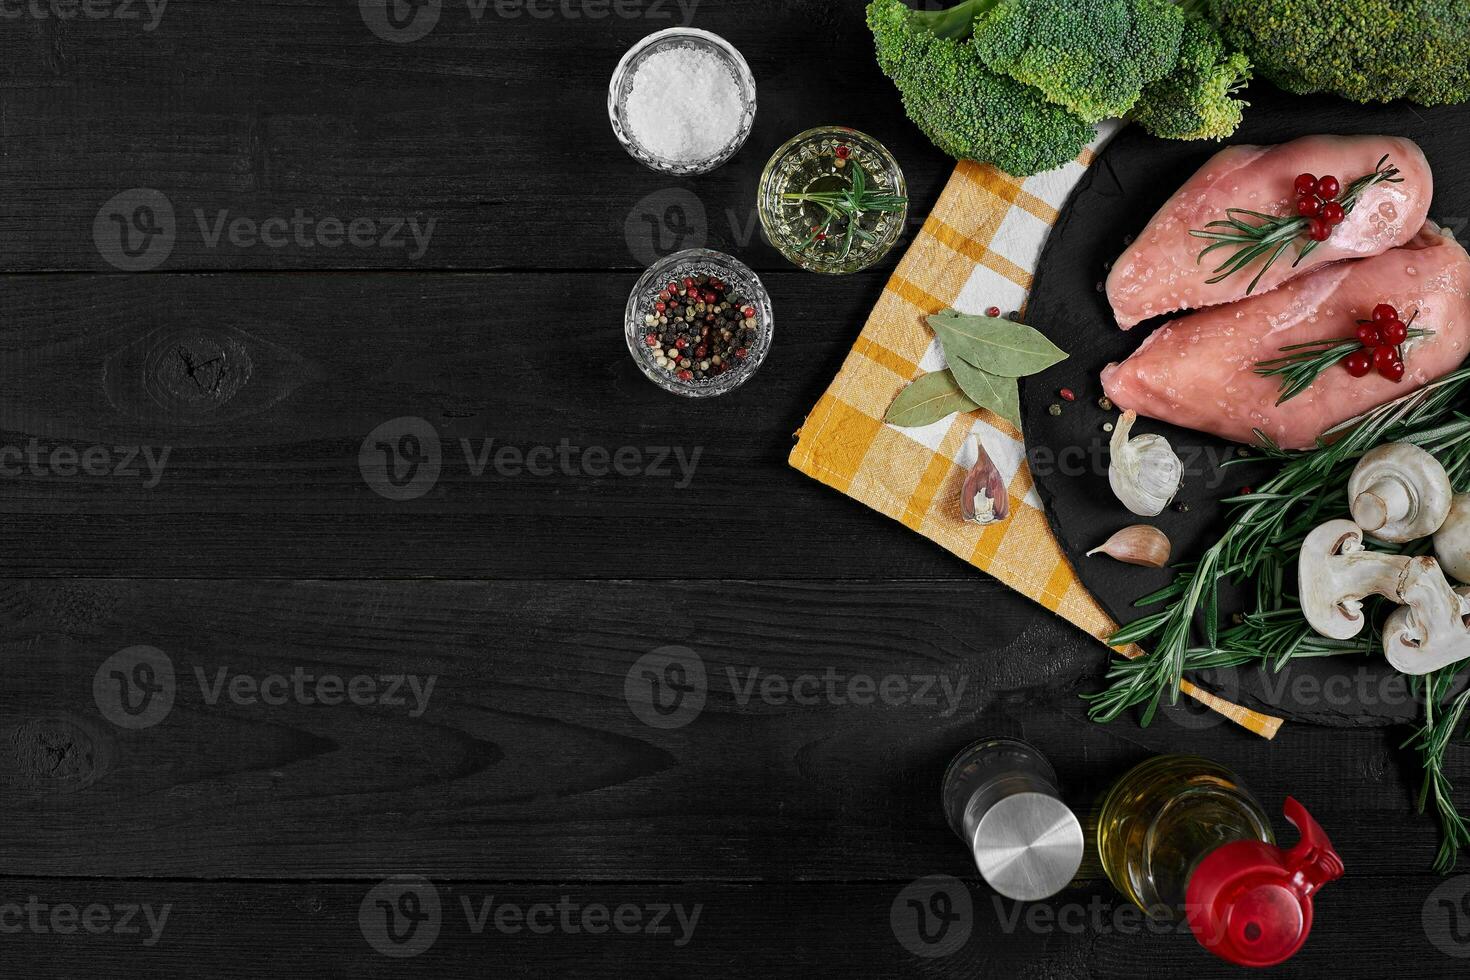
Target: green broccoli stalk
[
  {"x": 1197, "y": 100},
  {"x": 1019, "y": 83},
  {"x": 967, "y": 110},
  {"x": 1365, "y": 50}
]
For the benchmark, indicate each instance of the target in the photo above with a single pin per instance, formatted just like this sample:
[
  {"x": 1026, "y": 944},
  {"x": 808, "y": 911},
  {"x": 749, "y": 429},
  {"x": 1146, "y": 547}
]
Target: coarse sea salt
[{"x": 684, "y": 105}]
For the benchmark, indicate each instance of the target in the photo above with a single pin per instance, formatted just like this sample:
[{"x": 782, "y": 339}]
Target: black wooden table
[{"x": 222, "y": 754}]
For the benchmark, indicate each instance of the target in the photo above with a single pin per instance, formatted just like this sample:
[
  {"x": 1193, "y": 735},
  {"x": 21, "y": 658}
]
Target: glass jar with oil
[{"x": 1182, "y": 838}]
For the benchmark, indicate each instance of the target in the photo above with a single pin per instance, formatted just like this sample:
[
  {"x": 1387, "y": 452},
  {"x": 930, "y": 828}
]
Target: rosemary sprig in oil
[
  {"x": 1272, "y": 235},
  {"x": 848, "y": 206}
]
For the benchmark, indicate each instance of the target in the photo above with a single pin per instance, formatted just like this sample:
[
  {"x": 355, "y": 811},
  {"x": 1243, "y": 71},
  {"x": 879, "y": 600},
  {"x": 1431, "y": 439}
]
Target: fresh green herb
[
  {"x": 987, "y": 355},
  {"x": 1265, "y": 531},
  {"x": 1432, "y": 742},
  {"x": 1274, "y": 235},
  {"x": 931, "y": 397},
  {"x": 1304, "y": 363},
  {"x": 847, "y": 207}
]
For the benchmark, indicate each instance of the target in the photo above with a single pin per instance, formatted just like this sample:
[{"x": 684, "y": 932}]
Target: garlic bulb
[
  {"x": 1137, "y": 545},
  {"x": 1145, "y": 473}
]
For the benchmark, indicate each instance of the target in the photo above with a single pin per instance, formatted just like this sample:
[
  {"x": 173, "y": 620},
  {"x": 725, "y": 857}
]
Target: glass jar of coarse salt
[{"x": 682, "y": 101}]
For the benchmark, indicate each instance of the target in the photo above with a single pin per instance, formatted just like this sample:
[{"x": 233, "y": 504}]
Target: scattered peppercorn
[
  {"x": 1105, "y": 403},
  {"x": 993, "y": 312},
  {"x": 1055, "y": 409},
  {"x": 1068, "y": 395},
  {"x": 1181, "y": 507},
  {"x": 1107, "y": 427}
]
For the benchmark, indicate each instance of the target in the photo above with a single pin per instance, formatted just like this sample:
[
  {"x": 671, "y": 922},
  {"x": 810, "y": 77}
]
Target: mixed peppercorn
[
  {"x": 698, "y": 329},
  {"x": 1316, "y": 198}
]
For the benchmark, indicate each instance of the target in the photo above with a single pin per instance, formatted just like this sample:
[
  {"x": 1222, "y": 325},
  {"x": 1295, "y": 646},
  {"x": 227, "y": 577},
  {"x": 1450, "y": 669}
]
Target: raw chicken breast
[
  {"x": 1159, "y": 273},
  {"x": 1199, "y": 371}
]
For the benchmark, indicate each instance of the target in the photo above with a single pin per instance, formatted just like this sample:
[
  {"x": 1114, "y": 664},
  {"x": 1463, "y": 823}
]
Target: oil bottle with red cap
[{"x": 1182, "y": 838}]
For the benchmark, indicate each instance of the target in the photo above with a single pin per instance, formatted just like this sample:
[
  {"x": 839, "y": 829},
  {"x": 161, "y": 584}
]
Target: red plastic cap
[{"x": 1251, "y": 903}]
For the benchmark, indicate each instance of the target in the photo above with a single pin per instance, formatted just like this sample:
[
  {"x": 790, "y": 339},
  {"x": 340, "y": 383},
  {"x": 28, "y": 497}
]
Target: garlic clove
[
  {"x": 1144, "y": 472},
  {"x": 1137, "y": 545},
  {"x": 983, "y": 498}
]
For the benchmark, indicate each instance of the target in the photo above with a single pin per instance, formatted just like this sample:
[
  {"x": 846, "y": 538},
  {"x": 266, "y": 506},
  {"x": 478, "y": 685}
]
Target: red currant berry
[
  {"x": 1328, "y": 188},
  {"x": 1334, "y": 213},
  {"x": 1319, "y": 230},
  {"x": 1369, "y": 335},
  {"x": 1384, "y": 356},
  {"x": 1306, "y": 184},
  {"x": 1393, "y": 370},
  {"x": 1395, "y": 332},
  {"x": 1382, "y": 313},
  {"x": 1358, "y": 363},
  {"x": 1308, "y": 207}
]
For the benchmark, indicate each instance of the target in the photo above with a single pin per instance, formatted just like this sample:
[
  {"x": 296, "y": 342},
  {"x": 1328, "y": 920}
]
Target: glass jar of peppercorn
[{"x": 699, "y": 323}]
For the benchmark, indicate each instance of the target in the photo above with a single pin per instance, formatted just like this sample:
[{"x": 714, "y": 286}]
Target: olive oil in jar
[{"x": 1166, "y": 815}]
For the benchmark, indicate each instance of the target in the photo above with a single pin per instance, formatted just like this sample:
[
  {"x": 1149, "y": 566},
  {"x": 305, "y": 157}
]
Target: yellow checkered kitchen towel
[{"x": 978, "y": 249}]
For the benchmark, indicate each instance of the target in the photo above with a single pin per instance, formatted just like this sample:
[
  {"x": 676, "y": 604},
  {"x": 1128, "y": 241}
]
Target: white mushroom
[
  {"x": 1335, "y": 573},
  {"x": 1452, "y": 540},
  {"x": 1399, "y": 493},
  {"x": 1431, "y": 631}
]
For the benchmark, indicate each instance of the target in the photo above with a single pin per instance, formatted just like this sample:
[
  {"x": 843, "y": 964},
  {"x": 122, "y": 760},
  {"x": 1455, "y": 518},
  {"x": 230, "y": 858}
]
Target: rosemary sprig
[
  {"x": 1273, "y": 235},
  {"x": 1265, "y": 531},
  {"x": 1303, "y": 363},
  {"x": 1432, "y": 742},
  {"x": 848, "y": 205}
]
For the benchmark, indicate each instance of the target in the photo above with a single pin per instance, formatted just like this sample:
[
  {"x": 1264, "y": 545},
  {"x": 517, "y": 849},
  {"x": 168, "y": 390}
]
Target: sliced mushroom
[
  {"x": 1335, "y": 573},
  {"x": 1452, "y": 540},
  {"x": 1432, "y": 629},
  {"x": 1399, "y": 493}
]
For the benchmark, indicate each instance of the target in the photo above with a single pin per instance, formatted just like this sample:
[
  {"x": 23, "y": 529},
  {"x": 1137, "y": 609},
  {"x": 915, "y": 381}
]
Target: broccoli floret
[
  {"x": 967, "y": 110},
  {"x": 1365, "y": 50},
  {"x": 1196, "y": 101},
  {"x": 1095, "y": 57}
]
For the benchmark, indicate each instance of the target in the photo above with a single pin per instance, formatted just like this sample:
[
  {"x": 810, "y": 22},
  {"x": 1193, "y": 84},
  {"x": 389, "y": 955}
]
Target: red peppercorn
[
  {"x": 651, "y": 340},
  {"x": 686, "y": 375},
  {"x": 688, "y": 283},
  {"x": 671, "y": 288},
  {"x": 1319, "y": 230},
  {"x": 821, "y": 236},
  {"x": 681, "y": 343},
  {"x": 1068, "y": 394},
  {"x": 843, "y": 152},
  {"x": 661, "y": 306},
  {"x": 1369, "y": 335},
  {"x": 1334, "y": 213},
  {"x": 993, "y": 312},
  {"x": 1306, "y": 184},
  {"x": 1382, "y": 313},
  {"x": 1393, "y": 370},
  {"x": 1246, "y": 491},
  {"x": 749, "y": 312},
  {"x": 742, "y": 353},
  {"x": 1358, "y": 363},
  {"x": 1395, "y": 332},
  {"x": 1309, "y": 207},
  {"x": 1328, "y": 188},
  {"x": 701, "y": 352},
  {"x": 1384, "y": 356}
]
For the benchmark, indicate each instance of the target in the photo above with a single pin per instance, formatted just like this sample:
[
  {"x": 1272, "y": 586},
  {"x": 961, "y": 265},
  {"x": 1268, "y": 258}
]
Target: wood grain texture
[
  {"x": 494, "y": 128},
  {"x": 263, "y": 549}
]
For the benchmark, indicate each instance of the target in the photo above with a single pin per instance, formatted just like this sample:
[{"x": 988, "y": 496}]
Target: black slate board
[{"x": 1134, "y": 176}]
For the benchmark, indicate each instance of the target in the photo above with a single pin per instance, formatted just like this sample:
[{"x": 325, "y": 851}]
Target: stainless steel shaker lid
[{"x": 1028, "y": 846}]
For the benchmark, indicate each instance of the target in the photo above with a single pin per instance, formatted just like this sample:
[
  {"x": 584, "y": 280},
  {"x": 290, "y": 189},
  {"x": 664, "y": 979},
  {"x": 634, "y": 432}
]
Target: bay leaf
[
  {"x": 996, "y": 346},
  {"x": 1001, "y": 395},
  {"x": 930, "y": 398}
]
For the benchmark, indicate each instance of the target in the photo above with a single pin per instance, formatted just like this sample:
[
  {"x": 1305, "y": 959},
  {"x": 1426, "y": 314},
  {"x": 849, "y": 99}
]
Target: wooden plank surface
[{"x": 256, "y": 379}]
